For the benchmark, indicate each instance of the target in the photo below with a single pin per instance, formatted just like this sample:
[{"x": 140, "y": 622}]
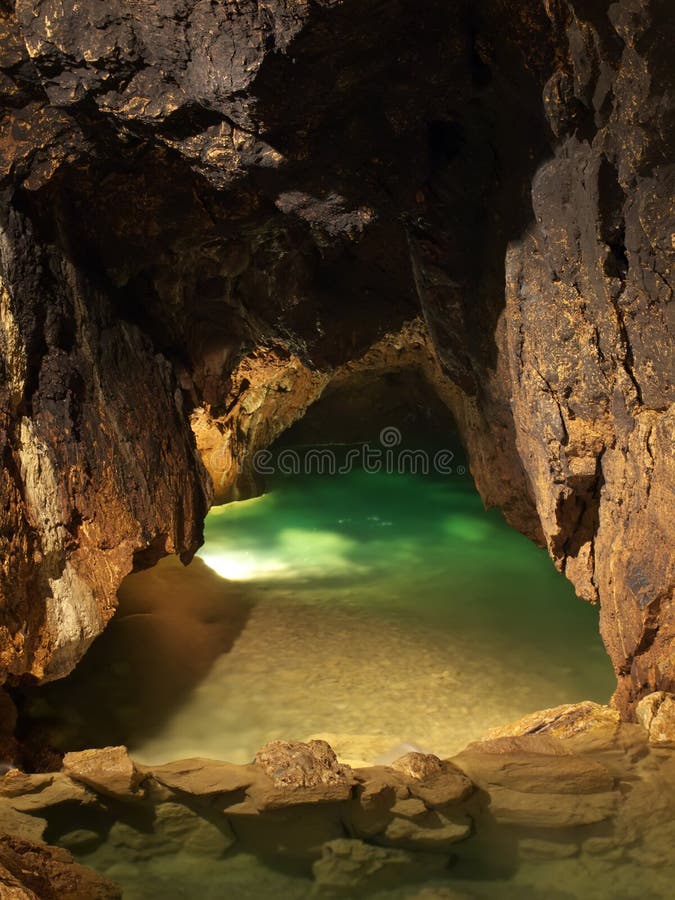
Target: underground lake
[
  {"x": 390, "y": 615},
  {"x": 382, "y": 611}
]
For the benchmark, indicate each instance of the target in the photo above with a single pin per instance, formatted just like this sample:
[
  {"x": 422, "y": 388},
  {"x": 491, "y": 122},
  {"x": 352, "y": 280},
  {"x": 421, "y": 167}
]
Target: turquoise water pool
[{"x": 375, "y": 610}]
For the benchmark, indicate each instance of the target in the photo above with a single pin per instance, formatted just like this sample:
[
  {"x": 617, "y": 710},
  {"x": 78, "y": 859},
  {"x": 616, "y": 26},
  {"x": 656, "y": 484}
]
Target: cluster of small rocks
[{"x": 545, "y": 791}]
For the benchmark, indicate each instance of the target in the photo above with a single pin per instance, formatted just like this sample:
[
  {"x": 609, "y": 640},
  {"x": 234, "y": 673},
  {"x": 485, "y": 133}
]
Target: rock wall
[{"x": 212, "y": 212}]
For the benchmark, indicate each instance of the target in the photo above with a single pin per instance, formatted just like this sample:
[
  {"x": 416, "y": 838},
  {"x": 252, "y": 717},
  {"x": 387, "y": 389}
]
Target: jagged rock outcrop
[{"x": 214, "y": 212}]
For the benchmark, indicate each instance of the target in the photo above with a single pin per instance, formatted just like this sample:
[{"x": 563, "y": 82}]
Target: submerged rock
[
  {"x": 349, "y": 865},
  {"x": 183, "y": 829}
]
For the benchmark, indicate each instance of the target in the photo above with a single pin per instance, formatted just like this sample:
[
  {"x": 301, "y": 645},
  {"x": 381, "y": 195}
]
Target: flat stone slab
[
  {"x": 534, "y": 773},
  {"x": 203, "y": 777},
  {"x": 32, "y": 793},
  {"x": 548, "y": 810},
  {"x": 108, "y": 770}
]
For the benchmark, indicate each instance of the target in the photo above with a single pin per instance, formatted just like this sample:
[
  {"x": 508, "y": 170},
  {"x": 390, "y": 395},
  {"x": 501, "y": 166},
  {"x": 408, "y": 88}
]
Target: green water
[
  {"x": 387, "y": 609},
  {"x": 373, "y": 610},
  {"x": 378, "y": 611}
]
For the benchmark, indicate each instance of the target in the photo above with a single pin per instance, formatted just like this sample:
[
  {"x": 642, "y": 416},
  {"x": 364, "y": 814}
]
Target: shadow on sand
[{"x": 173, "y": 622}]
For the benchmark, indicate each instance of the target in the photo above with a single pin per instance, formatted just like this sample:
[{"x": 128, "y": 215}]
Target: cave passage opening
[{"x": 369, "y": 599}]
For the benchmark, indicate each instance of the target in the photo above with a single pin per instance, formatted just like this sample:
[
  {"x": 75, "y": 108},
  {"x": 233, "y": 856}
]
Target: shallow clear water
[
  {"x": 385, "y": 609},
  {"x": 375, "y": 610}
]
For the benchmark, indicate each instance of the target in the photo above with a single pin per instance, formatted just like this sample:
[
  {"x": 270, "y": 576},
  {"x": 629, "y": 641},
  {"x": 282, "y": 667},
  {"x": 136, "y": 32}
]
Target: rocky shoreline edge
[{"x": 570, "y": 784}]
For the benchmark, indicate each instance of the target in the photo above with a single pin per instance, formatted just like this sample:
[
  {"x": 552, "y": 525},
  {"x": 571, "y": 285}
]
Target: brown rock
[
  {"x": 202, "y": 777},
  {"x": 418, "y": 765},
  {"x": 534, "y": 773},
  {"x": 32, "y": 793},
  {"x": 12, "y": 889},
  {"x": 561, "y": 721},
  {"x": 348, "y": 865},
  {"x": 550, "y": 810},
  {"x": 27, "y": 827},
  {"x": 656, "y": 713},
  {"x": 301, "y": 773},
  {"x": 108, "y": 771},
  {"x": 51, "y": 873},
  {"x": 448, "y": 786}
]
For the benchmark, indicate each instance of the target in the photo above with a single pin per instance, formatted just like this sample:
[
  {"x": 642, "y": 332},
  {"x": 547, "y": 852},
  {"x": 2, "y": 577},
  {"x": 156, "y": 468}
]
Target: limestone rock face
[
  {"x": 99, "y": 466},
  {"x": 204, "y": 226},
  {"x": 589, "y": 335}
]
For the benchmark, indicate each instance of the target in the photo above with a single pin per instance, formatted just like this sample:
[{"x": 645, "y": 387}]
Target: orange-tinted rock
[
  {"x": 108, "y": 771},
  {"x": 49, "y": 873},
  {"x": 656, "y": 713}
]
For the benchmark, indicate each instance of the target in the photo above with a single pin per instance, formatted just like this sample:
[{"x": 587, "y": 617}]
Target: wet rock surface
[{"x": 530, "y": 812}]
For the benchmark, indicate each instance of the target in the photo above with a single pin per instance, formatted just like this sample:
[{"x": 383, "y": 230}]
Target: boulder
[
  {"x": 301, "y": 773},
  {"x": 108, "y": 770},
  {"x": 656, "y": 714},
  {"x": 80, "y": 841},
  {"x": 446, "y": 787}
]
